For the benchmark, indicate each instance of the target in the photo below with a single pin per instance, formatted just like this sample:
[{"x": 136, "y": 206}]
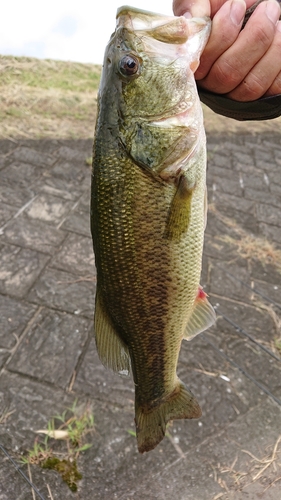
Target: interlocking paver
[
  {"x": 31, "y": 157},
  {"x": 64, "y": 291},
  {"x": 33, "y": 234},
  {"x": 48, "y": 208},
  {"x": 19, "y": 268},
  {"x": 6, "y": 213},
  {"x": 48, "y": 357},
  {"x": 14, "y": 316},
  {"x": 76, "y": 255},
  {"x": 51, "y": 347},
  {"x": 14, "y": 196},
  {"x": 78, "y": 222}
]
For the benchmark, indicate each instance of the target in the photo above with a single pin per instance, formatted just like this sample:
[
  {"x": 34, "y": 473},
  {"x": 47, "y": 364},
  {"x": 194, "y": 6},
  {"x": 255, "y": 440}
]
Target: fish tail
[{"x": 151, "y": 423}]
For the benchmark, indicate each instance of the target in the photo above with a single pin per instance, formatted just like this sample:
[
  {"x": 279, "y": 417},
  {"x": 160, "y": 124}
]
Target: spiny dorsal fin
[
  {"x": 202, "y": 317},
  {"x": 112, "y": 351}
]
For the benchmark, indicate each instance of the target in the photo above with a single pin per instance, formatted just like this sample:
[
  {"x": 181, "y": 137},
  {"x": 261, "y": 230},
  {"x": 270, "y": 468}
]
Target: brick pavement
[{"x": 47, "y": 352}]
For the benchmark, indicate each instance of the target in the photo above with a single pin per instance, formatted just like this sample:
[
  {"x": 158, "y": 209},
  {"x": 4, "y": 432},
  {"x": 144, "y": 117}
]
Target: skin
[{"x": 243, "y": 65}]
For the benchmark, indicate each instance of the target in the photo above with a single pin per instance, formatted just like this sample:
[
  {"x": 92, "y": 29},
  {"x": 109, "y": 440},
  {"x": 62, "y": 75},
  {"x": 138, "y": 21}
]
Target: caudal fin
[{"x": 151, "y": 424}]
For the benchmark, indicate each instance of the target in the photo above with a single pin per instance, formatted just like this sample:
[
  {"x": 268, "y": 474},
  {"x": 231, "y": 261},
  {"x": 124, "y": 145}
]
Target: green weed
[{"x": 69, "y": 428}]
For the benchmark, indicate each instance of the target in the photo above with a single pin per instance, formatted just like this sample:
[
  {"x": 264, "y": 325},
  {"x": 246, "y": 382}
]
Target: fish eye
[{"x": 129, "y": 65}]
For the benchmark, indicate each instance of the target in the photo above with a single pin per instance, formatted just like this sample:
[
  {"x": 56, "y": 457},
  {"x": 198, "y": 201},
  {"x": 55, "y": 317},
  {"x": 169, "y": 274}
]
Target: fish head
[{"x": 147, "y": 93}]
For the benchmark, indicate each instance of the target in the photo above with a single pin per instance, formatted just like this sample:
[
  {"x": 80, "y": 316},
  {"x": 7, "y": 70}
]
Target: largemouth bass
[{"x": 148, "y": 211}]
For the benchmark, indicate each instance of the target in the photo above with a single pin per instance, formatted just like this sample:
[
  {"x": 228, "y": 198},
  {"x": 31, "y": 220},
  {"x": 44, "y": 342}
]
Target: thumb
[{"x": 196, "y": 8}]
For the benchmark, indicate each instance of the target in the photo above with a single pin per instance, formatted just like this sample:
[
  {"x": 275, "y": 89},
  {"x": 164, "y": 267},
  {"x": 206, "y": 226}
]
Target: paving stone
[
  {"x": 19, "y": 268},
  {"x": 199, "y": 459},
  {"x": 221, "y": 158},
  {"x": 272, "y": 233},
  {"x": 43, "y": 145},
  {"x": 6, "y": 213},
  {"x": 61, "y": 290},
  {"x": 33, "y": 234},
  {"x": 272, "y": 292},
  {"x": 13, "y": 196},
  {"x": 269, "y": 214},
  {"x": 226, "y": 285},
  {"x": 226, "y": 201},
  {"x": 33, "y": 405},
  {"x": 78, "y": 222},
  {"x": 48, "y": 208},
  {"x": 248, "y": 355},
  {"x": 94, "y": 379},
  {"x": 275, "y": 189},
  {"x": 266, "y": 272},
  {"x": 226, "y": 184},
  {"x": 262, "y": 196},
  {"x": 72, "y": 155},
  {"x": 51, "y": 347},
  {"x": 85, "y": 200},
  {"x": 242, "y": 160},
  {"x": 7, "y": 146},
  {"x": 70, "y": 172},
  {"x": 76, "y": 255},
  {"x": 60, "y": 188},
  {"x": 3, "y": 161},
  {"x": 4, "y": 355},
  {"x": 14, "y": 487},
  {"x": 31, "y": 156},
  {"x": 20, "y": 173},
  {"x": 246, "y": 433},
  {"x": 14, "y": 317}
]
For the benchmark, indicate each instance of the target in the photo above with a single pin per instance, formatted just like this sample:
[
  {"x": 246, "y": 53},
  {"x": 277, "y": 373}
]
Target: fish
[{"x": 148, "y": 211}]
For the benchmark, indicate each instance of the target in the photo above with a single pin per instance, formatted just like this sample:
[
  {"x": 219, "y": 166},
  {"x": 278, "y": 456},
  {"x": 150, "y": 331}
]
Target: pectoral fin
[
  {"x": 202, "y": 317},
  {"x": 179, "y": 215},
  {"x": 112, "y": 351}
]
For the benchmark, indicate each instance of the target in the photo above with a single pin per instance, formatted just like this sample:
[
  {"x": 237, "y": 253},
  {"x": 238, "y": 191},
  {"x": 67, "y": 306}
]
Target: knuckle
[
  {"x": 275, "y": 88},
  {"x": 253, "y": 87},
  {"x": 262, "y": 35},
  {"x": 227, "y": 74}
]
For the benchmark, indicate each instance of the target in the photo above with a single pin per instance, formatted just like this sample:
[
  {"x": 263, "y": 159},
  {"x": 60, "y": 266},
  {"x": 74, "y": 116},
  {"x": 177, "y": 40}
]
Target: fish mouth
[{"x": 175, "y": 30}]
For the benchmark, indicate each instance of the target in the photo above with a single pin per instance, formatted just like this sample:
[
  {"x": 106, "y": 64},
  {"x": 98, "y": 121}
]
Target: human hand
[{"x": 245, "y": 65}]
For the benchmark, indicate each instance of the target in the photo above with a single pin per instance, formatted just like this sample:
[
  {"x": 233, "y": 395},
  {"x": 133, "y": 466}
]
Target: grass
[
  {"x": 248, "y": 246},
  {"x": 69, "y": 428},
  {"x": 46, "y": 98},
  {"x": 47, "y": 73}
]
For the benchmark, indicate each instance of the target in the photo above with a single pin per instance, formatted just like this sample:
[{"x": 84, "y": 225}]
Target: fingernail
[
  {"x": 237, "y": 11},
  {"x": 278, "y": 26},
  {"x": 272, "y": 11},
  {"x": 187, "y": 15}
]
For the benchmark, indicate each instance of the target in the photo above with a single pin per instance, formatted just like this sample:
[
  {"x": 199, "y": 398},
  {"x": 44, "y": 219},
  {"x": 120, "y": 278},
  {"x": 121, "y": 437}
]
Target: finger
[
  {"x": 197, "y": 8},
  {"x": 265, "y": 75},
  {"x": 275, "y": 88},
  {"x": 250, "y": 46},
  {"x": 226, "y": 26}
]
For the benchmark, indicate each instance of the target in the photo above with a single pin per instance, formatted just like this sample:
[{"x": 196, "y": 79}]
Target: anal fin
[
  {"x": 202, "y": 317},
  {"x": 112, "y": 351}
]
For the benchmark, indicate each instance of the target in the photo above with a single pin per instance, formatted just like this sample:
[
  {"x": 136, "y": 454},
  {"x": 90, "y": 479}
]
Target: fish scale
[{"x": 148, "y": 212}]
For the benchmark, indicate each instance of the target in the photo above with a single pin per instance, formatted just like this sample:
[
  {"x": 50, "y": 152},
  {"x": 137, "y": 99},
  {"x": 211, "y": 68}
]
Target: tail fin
[{"x": 151, "y": 424}]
